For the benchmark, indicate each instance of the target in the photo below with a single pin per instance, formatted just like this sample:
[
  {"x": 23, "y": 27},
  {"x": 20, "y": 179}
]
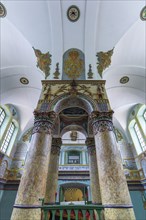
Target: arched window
[
  {"x": 137, "y": 127},
  {"x": 9, "y": 128},
  {"x": 2, "y": 116}
]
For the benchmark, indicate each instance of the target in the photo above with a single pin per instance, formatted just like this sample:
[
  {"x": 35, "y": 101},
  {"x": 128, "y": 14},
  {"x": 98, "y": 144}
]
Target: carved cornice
[
  {"x": 44, "y": 122},
  {"x": 101, "y": 121}
]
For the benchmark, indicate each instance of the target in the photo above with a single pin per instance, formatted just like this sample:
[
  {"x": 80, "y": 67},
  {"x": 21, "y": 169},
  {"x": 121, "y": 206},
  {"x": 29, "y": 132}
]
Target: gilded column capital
[
  {"x": 56, "y": 144},
  {"x": 90, "y": 142},
  {"x": 43, "y": 121},
  {"x": 101, "y": 121}
]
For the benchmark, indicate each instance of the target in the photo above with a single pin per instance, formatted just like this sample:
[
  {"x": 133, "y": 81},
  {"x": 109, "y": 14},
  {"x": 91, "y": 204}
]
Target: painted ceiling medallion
[
  {"x": 3, "y": 11},
  {"x": 73, "y": 13},
  {"x": 24, "y": 80},
  {"x": 143, "y": 14},
  {"x": 124, "y": 79}
]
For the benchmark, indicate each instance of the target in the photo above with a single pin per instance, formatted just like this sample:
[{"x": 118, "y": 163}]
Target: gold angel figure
[
  {"x": 43, "y": 61},
  {"x": 104, "y": 60}
]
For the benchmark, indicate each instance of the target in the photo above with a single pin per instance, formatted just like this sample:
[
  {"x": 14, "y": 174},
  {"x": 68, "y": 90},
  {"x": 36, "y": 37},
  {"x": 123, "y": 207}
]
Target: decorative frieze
[
  {"x": 43, "y": 122},
  {"x": 102, "y": 121}
]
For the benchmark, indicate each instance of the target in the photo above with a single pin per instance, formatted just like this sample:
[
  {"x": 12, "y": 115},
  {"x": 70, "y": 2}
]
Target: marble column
[
  {"x": 94, "y": 179},
  {"x": 113, "y": 186},
  {"x": 33, "y": 181},
  {"x": 52, "y": 178}
]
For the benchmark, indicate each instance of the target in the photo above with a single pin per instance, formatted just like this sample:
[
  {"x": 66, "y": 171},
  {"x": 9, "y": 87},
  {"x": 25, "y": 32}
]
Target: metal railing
[{"x": 72, "y": 212}]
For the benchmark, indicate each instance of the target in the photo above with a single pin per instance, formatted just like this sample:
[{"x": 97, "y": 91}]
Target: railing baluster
[
  {"x": 61, "y": 214},
  {"x": 84, "y": 214},
  {"x": 91, "y": 214},
  {"x": 76, "y": 214},
  {"x": 53, "y": 214},
  {"x": 68, "y": 214}
]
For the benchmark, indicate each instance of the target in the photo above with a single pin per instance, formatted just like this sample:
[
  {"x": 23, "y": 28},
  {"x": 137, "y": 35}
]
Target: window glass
[
  {"x": 8, "y": 137},
  {"x": 139, "y": 136},
  {"x": 2, "y": 116}
]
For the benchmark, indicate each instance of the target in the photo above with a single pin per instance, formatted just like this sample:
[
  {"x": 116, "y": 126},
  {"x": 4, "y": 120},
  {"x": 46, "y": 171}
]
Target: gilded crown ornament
[
  {"x": 43, "y": 61},
  {"x": 103, "y": 60}
]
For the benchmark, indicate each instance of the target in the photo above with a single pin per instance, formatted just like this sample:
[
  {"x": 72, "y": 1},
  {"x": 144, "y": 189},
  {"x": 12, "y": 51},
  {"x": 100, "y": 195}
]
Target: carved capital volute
[
  {"x": 56, "y": 144},
  {"x": 43, "y": 122},
  {"x": 101, "y": 121}
]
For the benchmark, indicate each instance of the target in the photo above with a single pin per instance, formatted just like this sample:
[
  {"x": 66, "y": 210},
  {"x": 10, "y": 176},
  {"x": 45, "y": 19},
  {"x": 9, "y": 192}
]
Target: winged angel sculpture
[
  {"x": 43, "y": 61},
  {"x": 104, "y": 60}
]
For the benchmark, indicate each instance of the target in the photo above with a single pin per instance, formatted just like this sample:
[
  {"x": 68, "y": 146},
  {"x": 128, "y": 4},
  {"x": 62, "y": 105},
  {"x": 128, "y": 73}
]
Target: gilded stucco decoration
[
  {"x": 26, "y": 137},
  {"x": 73, "y": 65},
  {"x": 103, "y": 60},
  {"x": 43, "y": 61},
  {"x": 74, "y": 135},
  {"x": 43, "y": 122}
]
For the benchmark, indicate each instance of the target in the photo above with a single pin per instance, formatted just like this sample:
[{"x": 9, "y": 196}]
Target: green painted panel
[
  {"x": 6, "y": 204},
  {"x": 136, "y": 198}
]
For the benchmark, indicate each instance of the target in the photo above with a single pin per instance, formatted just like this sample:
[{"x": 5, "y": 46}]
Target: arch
[
  {"x": 74, "y": 127},
  {"x": 66, "y": 100}
]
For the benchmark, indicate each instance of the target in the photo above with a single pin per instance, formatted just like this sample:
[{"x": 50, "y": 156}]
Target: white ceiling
[{"x": 102, "y": 25}]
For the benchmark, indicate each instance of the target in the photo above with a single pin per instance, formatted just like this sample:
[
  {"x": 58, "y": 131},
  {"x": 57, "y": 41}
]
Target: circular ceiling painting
[
  {"x": 24, "y": 80},
  {"x": 73, "y": 13},
  {"x": 3, "y": 11},
  {"x": 124, "y": 79},
  {"x": 143, "y": 14}
]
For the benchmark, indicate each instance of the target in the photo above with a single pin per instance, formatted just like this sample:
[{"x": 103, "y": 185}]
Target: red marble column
[{"x": 33, "y": 182}]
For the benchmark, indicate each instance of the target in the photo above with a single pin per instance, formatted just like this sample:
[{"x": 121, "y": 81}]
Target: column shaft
[
  {"x": 94, "y": 179},
  {"x": 113, "y": 185},
  {"x": 33, "y": 182},
  {"x": 52, "y": 178}
]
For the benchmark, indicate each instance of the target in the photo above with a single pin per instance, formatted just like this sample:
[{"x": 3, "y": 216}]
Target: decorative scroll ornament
[
  {"x": 102, "y": 121},
  {"x": 103, "y": 60},
  {"x": 73, "y": 65},
  {"x": 43, "y": 122},
  {"x": 43, "y": 61}
]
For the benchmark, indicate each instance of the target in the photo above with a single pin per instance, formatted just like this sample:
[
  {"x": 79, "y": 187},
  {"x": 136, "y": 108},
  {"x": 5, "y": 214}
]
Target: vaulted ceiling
[{"x": 101, "y": 26}]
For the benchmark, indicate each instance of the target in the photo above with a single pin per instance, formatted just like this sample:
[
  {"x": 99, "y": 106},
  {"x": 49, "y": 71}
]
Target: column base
[
  {"x": 119, "y": 214},
  {"x": 26, "y": 214}
]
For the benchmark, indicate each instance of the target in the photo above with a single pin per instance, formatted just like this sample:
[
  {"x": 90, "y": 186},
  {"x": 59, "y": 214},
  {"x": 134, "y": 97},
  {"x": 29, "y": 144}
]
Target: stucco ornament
[
  {"x": 103, "y": 60},
  {"x": 73, "y": 65},
  {"x": 43, "y": 61}
]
